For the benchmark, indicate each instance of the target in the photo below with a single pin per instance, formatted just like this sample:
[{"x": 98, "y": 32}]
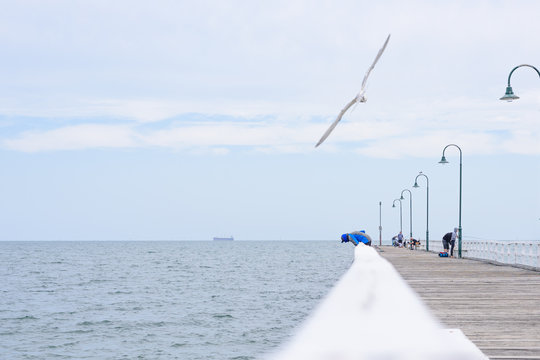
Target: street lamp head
[
  {"x": 415, "y": 185},
  {"x": 443, "y": 160},
  {"x": 394, "y": 205},
  {"x": 509, "y": 95},
  {"x": 401, "y": 198}
]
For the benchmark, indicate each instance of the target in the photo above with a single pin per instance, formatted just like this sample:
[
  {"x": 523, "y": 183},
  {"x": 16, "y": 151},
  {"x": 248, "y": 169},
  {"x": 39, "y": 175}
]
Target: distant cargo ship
[{"x": 223, "y": 238}]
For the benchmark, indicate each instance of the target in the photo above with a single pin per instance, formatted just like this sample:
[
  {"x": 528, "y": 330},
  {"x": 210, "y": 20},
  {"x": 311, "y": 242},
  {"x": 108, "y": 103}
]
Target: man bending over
[{"x": 357, "y": 237}]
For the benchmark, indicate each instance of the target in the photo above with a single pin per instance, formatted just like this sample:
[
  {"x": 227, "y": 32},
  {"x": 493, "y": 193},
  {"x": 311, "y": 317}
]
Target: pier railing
[
  {"x": 372, "y": 313},
  {"x": 525, "y": 254},
  {"x": 517, "y": 253}
]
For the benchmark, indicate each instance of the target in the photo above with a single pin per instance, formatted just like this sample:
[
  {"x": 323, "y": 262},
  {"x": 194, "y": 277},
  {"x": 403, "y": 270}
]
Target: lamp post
[
  {"x": 380, "y": 223},
  {"x": 443, "y": 161},
  {"x": 400, "y": 214},
  {"x": 509, "y": 95},
  {"x": 427, "y": 204},
  {"x": 410, "y": 210}
]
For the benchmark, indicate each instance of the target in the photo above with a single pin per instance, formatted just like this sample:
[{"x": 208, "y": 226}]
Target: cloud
[
  {"x": 477, "y": 130},
  {"x": 148, "y": 110},
  {"x": 74, "y": 138},
  {"x": 129, "y": 74}
]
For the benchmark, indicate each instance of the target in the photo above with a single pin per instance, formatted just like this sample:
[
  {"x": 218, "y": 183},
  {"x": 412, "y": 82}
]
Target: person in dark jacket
[
  {"x": 357, "y": 237},
  {"x": 449, "y": 241}
]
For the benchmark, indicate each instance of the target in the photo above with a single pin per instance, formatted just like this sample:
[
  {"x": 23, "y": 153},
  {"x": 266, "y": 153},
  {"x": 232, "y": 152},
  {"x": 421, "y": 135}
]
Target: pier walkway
[{"x": 496, "y": 307}]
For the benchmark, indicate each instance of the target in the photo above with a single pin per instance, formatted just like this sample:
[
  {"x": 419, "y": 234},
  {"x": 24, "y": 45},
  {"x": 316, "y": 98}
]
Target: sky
[{"x": 185, "y": 120}]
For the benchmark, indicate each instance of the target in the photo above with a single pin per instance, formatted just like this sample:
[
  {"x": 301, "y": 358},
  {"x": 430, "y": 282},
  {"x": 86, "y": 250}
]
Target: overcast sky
[{"x": 191, "y": 119}]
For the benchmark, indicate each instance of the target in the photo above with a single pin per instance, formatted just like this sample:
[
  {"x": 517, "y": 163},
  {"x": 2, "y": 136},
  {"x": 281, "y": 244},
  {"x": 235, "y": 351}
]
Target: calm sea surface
[{"x": 160, "y": 300}]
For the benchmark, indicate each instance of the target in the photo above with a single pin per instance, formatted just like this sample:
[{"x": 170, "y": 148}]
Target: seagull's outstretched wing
[
  {"x": 364, "y": 82},
  {"x": 325, "y": 135},
  {"x": 358, "y": 98}
]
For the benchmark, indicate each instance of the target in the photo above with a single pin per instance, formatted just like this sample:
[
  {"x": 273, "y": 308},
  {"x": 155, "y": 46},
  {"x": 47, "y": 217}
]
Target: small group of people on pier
[
  {"x": 400, "y": 241},
  {"x": 357, "y": 237}
]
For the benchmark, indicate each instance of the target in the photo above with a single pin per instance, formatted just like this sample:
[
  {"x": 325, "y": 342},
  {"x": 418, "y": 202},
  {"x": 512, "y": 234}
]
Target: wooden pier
[{"x": 496, "y": 307}]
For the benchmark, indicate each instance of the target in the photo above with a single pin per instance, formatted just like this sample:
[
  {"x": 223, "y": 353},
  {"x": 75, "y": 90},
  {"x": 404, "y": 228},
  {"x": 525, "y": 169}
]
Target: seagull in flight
[{"x": 358, "y": 98}]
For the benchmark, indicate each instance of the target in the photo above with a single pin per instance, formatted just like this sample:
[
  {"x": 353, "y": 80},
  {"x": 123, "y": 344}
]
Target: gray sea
[{"x": 160, "y": 300}]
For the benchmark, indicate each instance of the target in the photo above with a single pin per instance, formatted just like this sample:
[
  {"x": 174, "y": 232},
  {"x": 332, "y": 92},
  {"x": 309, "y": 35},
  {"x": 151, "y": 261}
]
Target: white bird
[{"x": 358, "y": 98}]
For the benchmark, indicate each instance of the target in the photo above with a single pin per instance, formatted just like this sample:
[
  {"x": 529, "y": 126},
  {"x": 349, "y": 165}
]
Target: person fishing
[{"x": 356, "y": 237}]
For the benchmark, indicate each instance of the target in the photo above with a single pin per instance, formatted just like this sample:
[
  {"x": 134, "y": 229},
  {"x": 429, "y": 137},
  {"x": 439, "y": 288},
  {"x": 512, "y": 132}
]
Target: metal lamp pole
[
  {"x": 410, "y": 210},
  {"x": 400, "y": 214},
  {"x": 427, "y": 204},
  {"x": 380, "y": 223},
  {"x": 443, "y": 161},
  {"x": 509, "y": 95}
]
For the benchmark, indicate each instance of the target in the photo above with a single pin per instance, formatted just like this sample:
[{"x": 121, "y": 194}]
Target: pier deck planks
[{"x": 496, "y": 307}]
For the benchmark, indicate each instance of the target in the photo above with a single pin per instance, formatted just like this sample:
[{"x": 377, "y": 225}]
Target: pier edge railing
[
  {"x": 522, "y": 254},
  {"x": 362, "y": 306}
]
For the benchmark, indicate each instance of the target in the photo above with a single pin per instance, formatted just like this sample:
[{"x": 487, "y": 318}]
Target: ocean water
[{"x": 160, "y": 300}]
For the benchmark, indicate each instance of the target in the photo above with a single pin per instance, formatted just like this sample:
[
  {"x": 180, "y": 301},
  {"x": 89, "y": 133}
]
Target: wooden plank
[{"x": 497, "y": 307}]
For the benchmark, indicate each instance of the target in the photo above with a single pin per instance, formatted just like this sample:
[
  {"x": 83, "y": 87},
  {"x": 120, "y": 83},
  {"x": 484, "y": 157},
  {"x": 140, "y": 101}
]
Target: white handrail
[
  {"x": 517, "y": 253},
  {"x": 371, "y": 313},
  {"x": 524, "y": 254}
]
